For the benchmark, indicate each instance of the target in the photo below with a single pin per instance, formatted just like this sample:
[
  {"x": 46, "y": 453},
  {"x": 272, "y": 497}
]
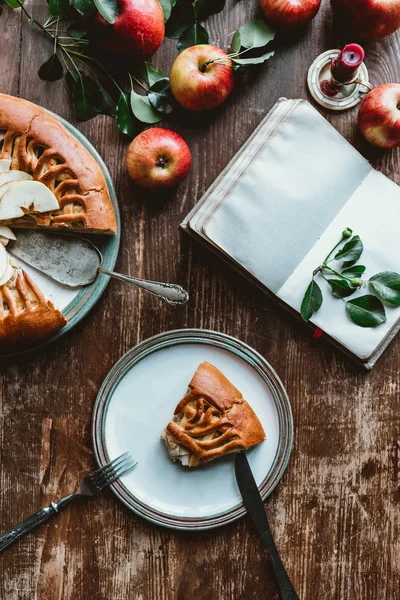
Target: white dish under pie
[{"x": 136, "y": 402}]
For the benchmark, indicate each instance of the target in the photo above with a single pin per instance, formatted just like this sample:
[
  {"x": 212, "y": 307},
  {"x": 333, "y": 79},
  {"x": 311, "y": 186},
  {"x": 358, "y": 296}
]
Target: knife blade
[{"x": 256, "y": 509}]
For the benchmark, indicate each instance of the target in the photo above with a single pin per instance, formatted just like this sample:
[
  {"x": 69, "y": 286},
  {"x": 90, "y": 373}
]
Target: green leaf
[
  {"x": 89, "y": 98},
  {"x": 125, "y": 119},
  {"x": 150, "y": 75},
  {"x": 76, "y": 34},
  {"x": 179, "y": 22},
  {"x": 355, "y": 271},
  {"x": 58, "y": 8},
  {"x": 205, "y": 8},
  {"x": 246, "y": 62},
  {"x": 366, "y": 311},
  {"x": 143, "y": 110},
  {"x": 386, "y": 286},
  {"x": 84, "y": 7},
  {"x": 236, "y": 42},
  {"x": 351, "y": 251},
  {"x": 256, "y": 34},
  {"x": 312, "y": 301},
  {"x": 108, "y": 9},
  {"x": 192, "y": 36},
  {"x": 341, "y": 288},
  {"x": 167, "y": 7},
  {"x": 160, "y": 96},
  {"x": 51, "y": 70},
  {"x": 14, "y": 4}
]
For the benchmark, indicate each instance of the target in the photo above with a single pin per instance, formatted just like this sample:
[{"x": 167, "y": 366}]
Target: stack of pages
[{"x": 280, "y": 206}]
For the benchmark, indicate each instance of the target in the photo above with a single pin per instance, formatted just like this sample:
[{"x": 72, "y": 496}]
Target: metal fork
[{"x": 90, "y": 485}]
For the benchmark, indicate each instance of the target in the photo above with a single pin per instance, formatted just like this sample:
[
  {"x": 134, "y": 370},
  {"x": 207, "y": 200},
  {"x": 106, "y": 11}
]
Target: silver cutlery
[
  {"x": 75, "y": 262},
  {"x": 255, "y": 507},
  {"x": 90, "y": 485}
]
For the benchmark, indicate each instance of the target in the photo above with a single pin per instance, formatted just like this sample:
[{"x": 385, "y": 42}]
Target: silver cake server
[{"x": 75, "y": 262}]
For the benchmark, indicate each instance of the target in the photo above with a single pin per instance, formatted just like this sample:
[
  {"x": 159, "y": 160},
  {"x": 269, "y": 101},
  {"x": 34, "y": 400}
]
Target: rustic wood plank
[{"x": 336, "y": 512}]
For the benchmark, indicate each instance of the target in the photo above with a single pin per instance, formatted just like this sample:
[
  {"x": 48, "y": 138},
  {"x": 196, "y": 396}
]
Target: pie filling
[{"x": 204, "y": 424}]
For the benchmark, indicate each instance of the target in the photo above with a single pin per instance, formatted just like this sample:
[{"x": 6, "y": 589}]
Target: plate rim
[
  {"x": 81, "y": 309},
  {"x": 243, "y": 351}
]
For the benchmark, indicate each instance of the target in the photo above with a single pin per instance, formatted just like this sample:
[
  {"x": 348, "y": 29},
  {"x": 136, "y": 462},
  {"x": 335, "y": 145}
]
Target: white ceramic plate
[{"x": 138, "y": 399}]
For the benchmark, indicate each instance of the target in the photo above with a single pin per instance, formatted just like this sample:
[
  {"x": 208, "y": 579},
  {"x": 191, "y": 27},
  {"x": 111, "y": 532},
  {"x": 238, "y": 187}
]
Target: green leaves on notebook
[{"x": 346, "y": 279}]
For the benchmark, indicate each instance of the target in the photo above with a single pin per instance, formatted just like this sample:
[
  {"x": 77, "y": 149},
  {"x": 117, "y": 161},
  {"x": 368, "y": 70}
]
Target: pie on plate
[
  {"x": 212, "y": 420},
  {"x": 48, "y": 180}
]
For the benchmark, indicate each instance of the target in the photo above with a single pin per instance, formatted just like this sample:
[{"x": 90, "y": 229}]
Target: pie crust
[
  {"x": 212, "y": 420},
  {"x": 26, "y": 317},
  {"x": 37, "y": 143}
]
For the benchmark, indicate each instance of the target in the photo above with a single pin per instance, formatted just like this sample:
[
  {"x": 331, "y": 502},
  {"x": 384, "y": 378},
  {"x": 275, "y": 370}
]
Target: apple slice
[
  {"x": 5, "y": 164},
  {"x": 32, "y": 196},
  {"x": 5, "y": 232},
  {"x": 8, "y": 273},
  {"x": 3, "y": 260},
  {"x": 7, "y": 176}
]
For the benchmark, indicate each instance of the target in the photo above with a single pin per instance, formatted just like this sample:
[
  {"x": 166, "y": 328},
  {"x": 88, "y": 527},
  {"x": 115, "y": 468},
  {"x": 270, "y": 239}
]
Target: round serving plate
[
  {"x": 75, "y": 303},
  {"x": 138, "y": 399}
]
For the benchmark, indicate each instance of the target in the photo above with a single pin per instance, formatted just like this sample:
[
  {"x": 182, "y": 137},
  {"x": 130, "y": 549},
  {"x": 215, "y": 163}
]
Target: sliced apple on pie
[
  {"x": 35, "y": 146},
  {"x": 212, "y": 420}
]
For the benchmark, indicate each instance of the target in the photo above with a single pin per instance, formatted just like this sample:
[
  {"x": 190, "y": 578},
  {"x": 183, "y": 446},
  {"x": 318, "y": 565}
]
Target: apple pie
[
  {"x": 47, "y": 178},
  {"x": 212, "y": 420}
]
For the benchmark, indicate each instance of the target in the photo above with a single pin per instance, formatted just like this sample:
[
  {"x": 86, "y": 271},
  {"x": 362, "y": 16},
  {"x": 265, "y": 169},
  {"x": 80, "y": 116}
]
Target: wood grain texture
[{"x": 335, "y": 514}]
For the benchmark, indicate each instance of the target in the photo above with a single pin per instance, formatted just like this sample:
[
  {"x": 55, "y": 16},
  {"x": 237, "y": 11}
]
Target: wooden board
[{"x": 335, "y": 515}]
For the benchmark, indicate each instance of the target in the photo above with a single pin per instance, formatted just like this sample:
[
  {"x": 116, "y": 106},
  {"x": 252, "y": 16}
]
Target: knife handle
[{"x": 285, "y": 587}]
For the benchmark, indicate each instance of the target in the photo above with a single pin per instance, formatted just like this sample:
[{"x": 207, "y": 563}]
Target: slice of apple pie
[
  {"x": 26, "y": 317},
  {"x": 212, "y": 420},
  {"x": 47, "y": 177}
]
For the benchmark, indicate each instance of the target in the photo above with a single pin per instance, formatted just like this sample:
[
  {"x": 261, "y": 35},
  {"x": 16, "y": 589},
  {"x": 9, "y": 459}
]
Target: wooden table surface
[{"x": 335, "y": 514}]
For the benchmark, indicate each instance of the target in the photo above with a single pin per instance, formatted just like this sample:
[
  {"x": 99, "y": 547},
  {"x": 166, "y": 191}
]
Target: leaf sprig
[
  {"x": 71, "y": 55},
  {"x": 346, "y": 279}
]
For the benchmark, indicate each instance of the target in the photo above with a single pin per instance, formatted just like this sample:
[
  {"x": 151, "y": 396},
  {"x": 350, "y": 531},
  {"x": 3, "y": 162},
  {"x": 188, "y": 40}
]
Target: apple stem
[{"x": 162, "y": 162}]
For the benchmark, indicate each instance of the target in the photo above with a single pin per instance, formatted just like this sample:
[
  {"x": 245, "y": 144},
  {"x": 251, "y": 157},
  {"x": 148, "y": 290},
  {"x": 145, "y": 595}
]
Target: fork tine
[
  {"x": 117, "y": 474},
  {"x": 110, "y": 465},
  {"x": 122, "y": 466},
  {"x": 109, "y": 472}
]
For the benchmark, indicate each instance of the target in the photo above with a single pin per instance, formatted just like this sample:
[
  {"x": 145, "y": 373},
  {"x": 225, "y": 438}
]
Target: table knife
[{"x": 256, "y": 510}]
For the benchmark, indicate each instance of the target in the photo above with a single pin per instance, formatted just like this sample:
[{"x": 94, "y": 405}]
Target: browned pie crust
[
  {"x": 213, "y": 419},
  {"x": 37, "y": 143},
  {"x": 26, "y": 317}
]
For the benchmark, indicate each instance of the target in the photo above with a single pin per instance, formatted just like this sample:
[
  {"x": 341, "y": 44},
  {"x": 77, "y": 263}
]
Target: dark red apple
[
  {"x": 379, "y": 116},
  {"x": 138, "y": 29},
  {"x": 201, "y": 77},
  {"x": 368, "y": 19},
  {"x": 290, "y": 13},
  {"x": 158, "y": 159}
]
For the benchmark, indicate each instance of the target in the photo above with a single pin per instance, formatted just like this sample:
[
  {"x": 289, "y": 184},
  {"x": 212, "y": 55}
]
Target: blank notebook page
[{"x": 275, "y": 212}]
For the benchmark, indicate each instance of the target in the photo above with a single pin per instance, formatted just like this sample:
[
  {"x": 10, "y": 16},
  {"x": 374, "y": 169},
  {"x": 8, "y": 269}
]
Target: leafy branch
[
  {"x": 365, "y": 311},
  {"x": 71, "y": 56}
]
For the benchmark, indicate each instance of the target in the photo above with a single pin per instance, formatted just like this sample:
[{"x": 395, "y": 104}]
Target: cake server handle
[{"x": 170, "y": 292}]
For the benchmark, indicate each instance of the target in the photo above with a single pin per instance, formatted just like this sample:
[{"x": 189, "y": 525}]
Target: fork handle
[{"x": 15, "y": 533}]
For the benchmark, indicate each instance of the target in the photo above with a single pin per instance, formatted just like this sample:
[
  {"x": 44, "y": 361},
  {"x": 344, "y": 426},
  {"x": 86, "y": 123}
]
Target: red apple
[
  {"x": 138, "y": 28},
  {"x": 201, "y": 77},
  {"x": 158, "y": 159},
  {"x": 379, "y": 116},
  {"x": 368, "y": 19},
  {"x": 290, "y": 13}
]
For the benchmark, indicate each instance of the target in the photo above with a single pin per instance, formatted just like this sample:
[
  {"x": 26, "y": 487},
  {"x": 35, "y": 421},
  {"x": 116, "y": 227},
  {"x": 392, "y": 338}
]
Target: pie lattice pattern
[{"x": 45, "y": 165}]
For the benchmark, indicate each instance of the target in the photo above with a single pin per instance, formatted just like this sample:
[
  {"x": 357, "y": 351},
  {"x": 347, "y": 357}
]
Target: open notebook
[{"x": 280, "y": 206}]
